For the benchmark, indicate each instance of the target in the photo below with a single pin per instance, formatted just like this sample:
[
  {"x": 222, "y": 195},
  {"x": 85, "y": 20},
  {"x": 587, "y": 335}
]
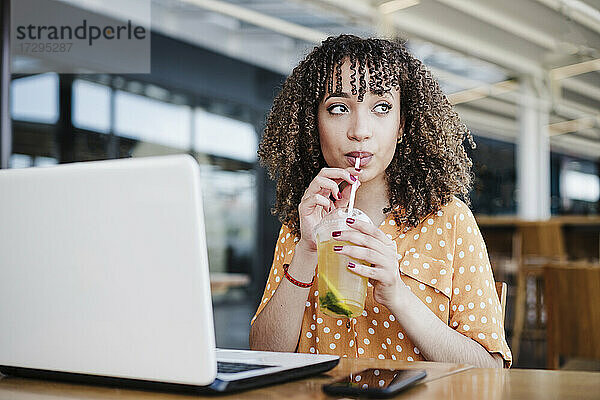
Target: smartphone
[{"x": 375, "y": 382}]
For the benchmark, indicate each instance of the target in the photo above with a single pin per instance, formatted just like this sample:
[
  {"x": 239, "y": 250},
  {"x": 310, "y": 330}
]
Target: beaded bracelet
[{"x": 294, "y": 281}]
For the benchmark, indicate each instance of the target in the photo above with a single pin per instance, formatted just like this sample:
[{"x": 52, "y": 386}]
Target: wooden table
[{"x": 445, "y": 381}]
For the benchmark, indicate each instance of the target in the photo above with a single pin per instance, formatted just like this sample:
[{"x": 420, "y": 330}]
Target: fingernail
[
  {"x": 352, "y": 178},
  {"x": 339, "y": 196},
  {"x": 351, "y": 265},
  {"x": 358, "y": 169},
  {"x": 336, "y": 233},
  {"x": 337, "y": 248},
  {"x": 350, "y": 220}
]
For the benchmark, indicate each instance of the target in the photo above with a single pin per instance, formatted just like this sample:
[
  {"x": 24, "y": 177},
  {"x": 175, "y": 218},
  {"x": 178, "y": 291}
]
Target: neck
[{"x": 372, "y": 198}]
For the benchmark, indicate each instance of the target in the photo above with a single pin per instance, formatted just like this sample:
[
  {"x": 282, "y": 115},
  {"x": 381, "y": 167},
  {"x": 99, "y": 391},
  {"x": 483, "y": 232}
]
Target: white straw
[{"x": 353, "y": 190}]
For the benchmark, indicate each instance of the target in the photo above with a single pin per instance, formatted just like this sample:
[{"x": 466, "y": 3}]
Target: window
[
  {"x": 494, "y": 186},
  {"x": 576, "y": 185},
  {"x": 44, "y": 161},
  {"x": 225, "y": 137},
  {"x": 230, "y": 212},
  {"x": 582, "y": 186},
  {"x": 20, "y": 161},
  {"x": 35, "y": 98},
  {"x": 229, "y": 195},
  {"x": 154, "y": 121},
  {"x": 91, "y": 106}
]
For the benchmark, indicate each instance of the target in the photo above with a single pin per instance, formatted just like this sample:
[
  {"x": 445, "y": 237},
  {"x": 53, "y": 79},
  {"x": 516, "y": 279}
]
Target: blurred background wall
[{"x": 523, "y": 75}]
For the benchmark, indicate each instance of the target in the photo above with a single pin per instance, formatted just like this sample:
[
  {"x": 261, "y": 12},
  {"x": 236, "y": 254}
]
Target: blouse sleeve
[
  {"x": 475, "y": 309},
  {"x": 284, "y": 252}
]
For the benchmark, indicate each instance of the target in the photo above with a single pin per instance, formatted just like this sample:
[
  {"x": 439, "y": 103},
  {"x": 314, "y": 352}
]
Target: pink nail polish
[
  {"x": 339, "y": 196},
  {"x": 352, "y": 178}
]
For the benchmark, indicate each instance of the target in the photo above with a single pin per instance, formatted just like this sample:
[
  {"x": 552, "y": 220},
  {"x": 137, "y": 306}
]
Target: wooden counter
[
  {"x": 574, "y": 237},
  {"x": 445, "y": 381}
]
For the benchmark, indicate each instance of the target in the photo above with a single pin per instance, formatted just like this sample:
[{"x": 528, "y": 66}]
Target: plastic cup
[{"x": 342, "y": 293}]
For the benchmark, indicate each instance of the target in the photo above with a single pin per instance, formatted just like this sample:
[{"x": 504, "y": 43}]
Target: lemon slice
[
  {"x": 330, "y": 286},
  {"x": 331, "y": 300}
]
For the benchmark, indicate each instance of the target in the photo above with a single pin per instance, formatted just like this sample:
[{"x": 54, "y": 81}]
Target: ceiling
[{"x": 478, "y": 49}]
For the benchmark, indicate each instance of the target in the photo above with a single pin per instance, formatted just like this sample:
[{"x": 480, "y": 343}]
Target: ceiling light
[
  {"x": 575, "y": 69},
  {"x": 574, "y": 125},
  {"x": 465, "y": 96},
  {"x": 396, "y": 5}
]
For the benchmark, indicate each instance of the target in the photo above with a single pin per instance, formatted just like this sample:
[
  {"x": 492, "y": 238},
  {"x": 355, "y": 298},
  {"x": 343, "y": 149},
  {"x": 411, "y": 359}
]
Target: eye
[
  {"x": 337, "y": 109},
  {"x": 382, "y": 108}
]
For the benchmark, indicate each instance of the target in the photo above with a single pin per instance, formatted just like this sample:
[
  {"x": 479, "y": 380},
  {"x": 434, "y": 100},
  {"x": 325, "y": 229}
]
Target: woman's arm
[
  {"x": 436, "y": 340},
  {"x": 277, "y": 327}
]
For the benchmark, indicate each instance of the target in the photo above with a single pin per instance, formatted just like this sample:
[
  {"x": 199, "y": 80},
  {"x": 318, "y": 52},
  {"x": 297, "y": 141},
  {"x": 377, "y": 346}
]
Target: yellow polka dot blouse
[{"x": 444, "y": 261}]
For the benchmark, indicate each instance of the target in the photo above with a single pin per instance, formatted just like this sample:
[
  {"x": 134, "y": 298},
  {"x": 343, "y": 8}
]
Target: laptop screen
[{"x": 105, "y": 270}]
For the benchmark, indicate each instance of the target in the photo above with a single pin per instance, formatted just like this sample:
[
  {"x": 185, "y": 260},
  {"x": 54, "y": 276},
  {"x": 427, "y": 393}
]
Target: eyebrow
[
  {"x": 383, "y": 93},
  {"x": 347, "y": 96},
  {"x": 337, "y": 94}
]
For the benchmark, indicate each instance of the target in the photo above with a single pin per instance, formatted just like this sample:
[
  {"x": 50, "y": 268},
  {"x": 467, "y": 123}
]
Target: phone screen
[{"x": 376, "y": 380}]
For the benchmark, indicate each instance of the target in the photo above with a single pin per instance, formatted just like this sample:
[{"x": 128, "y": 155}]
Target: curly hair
[{"x": 430, "y": 164}]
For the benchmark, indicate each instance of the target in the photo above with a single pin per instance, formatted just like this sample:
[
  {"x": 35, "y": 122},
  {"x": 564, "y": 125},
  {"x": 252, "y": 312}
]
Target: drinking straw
[{"x": 353, "y": 190}]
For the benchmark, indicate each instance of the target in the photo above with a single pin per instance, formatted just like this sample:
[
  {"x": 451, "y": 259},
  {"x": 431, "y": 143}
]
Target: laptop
[{"x": 105, "y": 279}]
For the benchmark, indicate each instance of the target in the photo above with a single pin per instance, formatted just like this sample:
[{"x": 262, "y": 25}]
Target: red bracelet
[{"x": 295, "y": 282}]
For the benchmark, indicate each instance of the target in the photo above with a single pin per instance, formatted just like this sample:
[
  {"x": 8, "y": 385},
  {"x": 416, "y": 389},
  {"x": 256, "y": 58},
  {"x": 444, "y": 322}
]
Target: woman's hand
[
  {"x": 316, "y": 201},
  {"x": 379, "y": 253}
]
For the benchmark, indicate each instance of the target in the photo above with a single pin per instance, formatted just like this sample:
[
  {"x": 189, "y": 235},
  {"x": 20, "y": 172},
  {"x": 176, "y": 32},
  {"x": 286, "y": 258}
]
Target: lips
[{"x": 365, "y": 157}]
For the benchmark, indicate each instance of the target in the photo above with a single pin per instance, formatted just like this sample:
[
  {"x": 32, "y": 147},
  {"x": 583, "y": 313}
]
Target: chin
[
  {"x": 371, "y": 176},
  {"x": 366, "y": 177}
]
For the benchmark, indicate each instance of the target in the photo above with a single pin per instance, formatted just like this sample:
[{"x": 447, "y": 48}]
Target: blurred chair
[
  {"x": 572, "y": 298},
  {"x": 220, "y": 281},
  {"x": 537, "y": 244}
]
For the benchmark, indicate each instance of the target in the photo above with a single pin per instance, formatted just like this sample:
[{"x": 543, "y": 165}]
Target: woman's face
[{"x": 368, "y": 129}]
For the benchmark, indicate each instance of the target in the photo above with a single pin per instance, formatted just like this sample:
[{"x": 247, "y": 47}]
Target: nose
[{"x": 361, "y": 128}]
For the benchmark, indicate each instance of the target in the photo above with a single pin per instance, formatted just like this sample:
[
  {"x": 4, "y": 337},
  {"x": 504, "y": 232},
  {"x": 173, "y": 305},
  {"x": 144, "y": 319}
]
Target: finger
[
  {"x": 360, "y": 239},
  {"x": 343, "y": 185},
  {"x": 369, "y": 229},
  {"x": 339, "y": 173},
  {"x": 315, "y": 200},
  {"x": 345, "y": 200},
  {"x": 373, "y": 273},
  {"x": 343, "y": 203},
  {"x": 323, "y": 186},
  {"x": 367, "y": 255}
]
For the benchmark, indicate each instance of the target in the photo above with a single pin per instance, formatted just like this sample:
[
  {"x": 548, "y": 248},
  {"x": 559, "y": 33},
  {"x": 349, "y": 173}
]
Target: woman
[{"x": 431, "y": 293}]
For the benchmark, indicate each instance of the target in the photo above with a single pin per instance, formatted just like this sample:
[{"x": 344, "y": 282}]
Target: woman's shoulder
[
  {"x": 454, "y": 213},
  {"x": 454, "y": 209},
  {"x": 286, "y": 234}
]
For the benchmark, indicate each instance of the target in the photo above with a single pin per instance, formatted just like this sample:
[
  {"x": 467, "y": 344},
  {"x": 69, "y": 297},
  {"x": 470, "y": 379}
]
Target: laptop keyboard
[{"x": 224, "y": 367}]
